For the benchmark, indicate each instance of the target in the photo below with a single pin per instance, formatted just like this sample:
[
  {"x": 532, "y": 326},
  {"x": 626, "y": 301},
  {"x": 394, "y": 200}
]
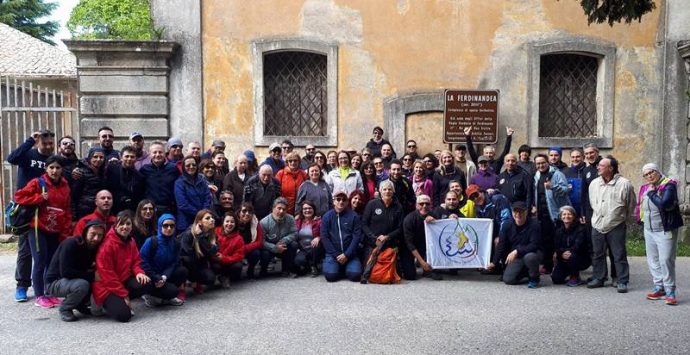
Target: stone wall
[{"x": 123, "y": 85}]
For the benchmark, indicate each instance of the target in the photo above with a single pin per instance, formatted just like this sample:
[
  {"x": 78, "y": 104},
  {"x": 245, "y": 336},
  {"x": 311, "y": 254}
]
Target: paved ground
[{"x": 464, "y": 313}]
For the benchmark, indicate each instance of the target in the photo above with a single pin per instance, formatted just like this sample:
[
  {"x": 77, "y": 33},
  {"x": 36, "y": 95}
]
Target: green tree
[
  {"x": 111, "y": 19},
  {"x": 612, "y": 11},
  {"x": 24, "y": 15}
]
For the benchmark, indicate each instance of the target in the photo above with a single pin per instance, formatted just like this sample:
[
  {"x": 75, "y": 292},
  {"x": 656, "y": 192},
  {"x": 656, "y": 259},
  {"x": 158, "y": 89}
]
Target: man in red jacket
[{"x": 104, "y": 204}]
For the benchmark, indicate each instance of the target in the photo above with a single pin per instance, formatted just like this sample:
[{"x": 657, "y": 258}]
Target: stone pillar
[
  {"x": 684, "y": 51},
  {"x": 123, "y": 85}
]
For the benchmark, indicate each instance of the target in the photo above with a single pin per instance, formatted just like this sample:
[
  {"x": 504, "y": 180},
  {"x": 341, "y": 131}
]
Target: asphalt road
[{"x": 465, "y": 313}]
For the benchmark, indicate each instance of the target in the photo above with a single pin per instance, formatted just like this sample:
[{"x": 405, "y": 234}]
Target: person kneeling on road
[
  {"x": 71, "y": 271},
  {"x": 518, "y": 247},
  {"x": 341, "y": 231}
]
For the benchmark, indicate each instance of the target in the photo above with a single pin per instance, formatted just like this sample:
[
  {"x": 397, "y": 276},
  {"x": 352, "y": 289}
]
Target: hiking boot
[
  {"x": 174, "y": 302},
  {"x": 20, "y": 294},
  {"x": 314, "y": 271},
  {"x": 656, "y": 294},
  {"x": 533, "y": 284},
  {"x": 614, "y": 283},
  {"x": 622, "y": 287},
  {"x": 43, "y": 302},
  {"x": 68, "y": 316},
  {"x": 595, "y": 283},
  {"x": 671, "y": 299},
  {"x": 151, "y": 301}
]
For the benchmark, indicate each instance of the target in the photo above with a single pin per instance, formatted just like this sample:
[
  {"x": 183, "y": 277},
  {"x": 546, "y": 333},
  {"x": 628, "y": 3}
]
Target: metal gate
[{"x": 24, "y": 109}]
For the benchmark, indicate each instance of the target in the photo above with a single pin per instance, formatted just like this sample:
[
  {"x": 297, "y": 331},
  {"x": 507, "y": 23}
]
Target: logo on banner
[{"x": 459, "y": 241}]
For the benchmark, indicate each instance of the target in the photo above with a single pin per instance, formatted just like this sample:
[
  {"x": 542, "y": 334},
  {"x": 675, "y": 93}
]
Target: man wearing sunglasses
[
  {"x": 105, "y": 139},
  {"x": 414, "y": 247},
  {"x": 341, "y": 231},
  {"x": 66, "y": 149},
  {"x": 30, "y": 159}
]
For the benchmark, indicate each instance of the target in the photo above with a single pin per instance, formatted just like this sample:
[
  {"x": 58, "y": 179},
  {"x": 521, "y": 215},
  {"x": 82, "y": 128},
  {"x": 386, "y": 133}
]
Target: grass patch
[
  {"x": 636, "y": 247},
  {"x": 8, "y": 248}
]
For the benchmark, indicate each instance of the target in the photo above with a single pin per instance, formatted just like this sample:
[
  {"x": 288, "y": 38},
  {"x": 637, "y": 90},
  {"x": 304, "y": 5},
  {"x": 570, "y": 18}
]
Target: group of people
[{"x": 117, "y": 225}]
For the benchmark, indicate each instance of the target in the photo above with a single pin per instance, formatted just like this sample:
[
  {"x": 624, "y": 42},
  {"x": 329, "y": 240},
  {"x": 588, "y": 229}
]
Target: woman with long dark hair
[
  {"x": 252, "y": 235},
  {"x": 369, "y": 181},
  {"x": 144, "y": 221},
  {"x": 309, "y": 252},
  {"x": 199, "y": 247},
  {"x": 227, "y": 263}
]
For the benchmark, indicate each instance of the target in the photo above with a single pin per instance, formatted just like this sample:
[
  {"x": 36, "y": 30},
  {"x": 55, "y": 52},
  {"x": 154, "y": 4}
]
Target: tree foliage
[
  {"x": 612, "y": 11},
  {"x": 24, "y": 14},
  {"x": 111, "y": 19}
]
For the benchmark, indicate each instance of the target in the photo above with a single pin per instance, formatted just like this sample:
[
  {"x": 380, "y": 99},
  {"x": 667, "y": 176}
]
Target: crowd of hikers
[{"x": 157, "y": 223}]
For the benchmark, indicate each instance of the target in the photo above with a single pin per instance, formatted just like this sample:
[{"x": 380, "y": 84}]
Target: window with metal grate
[
  {"x": 295, "y": 94},
  {"x": 567, "y": 95}
]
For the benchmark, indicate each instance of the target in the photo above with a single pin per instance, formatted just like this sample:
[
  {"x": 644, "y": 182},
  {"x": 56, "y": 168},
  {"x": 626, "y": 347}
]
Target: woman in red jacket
[
  {"x": 228, "y": 261},
  {"x": 252, "y": 235},
  {"x": 50, "y": 195},
  {"x": 119, "y": 276},
  {"x": 290, "y": 178}
]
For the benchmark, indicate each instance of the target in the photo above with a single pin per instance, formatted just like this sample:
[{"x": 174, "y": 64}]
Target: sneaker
[
  {"x": 436, "y": 276},
  {"x": 68, "y": 316},
  {"x": 622, "y": 287},
  {"x": 225, "y": 282},
  {"x": 20, "y": 294},
  {"x": 656, "y": 294},
  {"x": 314, "y": 271},
  {"x": 151, "y": 301},
  {"x": 595, "y": 283},
  {"x": 574, "y": 282},
  {"x": 56, "y": 301},
  {"x": 83, "y": 309},
  {"x": 671, "y": 299},
  {"x": 533, "y": 284},
  {"x": 43, "y": 302},
  {"x": 174, "y": 302}
]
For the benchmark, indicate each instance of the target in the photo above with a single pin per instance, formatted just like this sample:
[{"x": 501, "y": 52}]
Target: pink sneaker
[
  {"x": 56, "y": 301},
  {"x": 44, "y": 302}
]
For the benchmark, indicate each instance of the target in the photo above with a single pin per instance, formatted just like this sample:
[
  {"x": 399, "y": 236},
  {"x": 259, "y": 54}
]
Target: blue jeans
[
  {"x": 43, "y": 247},
  {"x": 333, "y": 271}
]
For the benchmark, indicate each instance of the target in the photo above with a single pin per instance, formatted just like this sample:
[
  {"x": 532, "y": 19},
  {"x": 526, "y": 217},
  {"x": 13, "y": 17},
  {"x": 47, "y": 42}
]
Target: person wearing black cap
[
  {"x": 136, "y": 140},
  {"x": 341, "y": 231},
  {"x": 376, "y": 143},
  {"x": 217, "y": 146},
  {"x": 466, "y": 166},
  {"x": 519, "y": 248},
  {"x": 31, "y": 164},
  {"x": 71, "y": 270}
]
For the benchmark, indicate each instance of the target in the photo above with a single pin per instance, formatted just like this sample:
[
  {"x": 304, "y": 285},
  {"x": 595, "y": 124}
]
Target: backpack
[
  {"x": 18, "y": 217},
  {"x": 382, "y": 266}
]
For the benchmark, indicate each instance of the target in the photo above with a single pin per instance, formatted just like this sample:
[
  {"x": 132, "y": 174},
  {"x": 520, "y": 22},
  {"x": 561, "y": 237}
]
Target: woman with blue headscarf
[
  {"x": 90, "y": 181},
  {"x": 160, "y": 259}
]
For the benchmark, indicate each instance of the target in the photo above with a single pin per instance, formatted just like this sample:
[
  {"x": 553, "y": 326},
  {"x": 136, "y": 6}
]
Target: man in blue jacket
[
  {"x": 341, "y": 231},
  {"x": 160, "y": 177},
  {"x": 31, "y": 164}
]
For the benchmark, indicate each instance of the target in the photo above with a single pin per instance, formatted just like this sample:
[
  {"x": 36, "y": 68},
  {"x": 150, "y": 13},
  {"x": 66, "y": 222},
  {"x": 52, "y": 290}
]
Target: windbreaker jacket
[
  {"x": 108, "y": 221},
  {"x": 166, "y": 258},
  {"x": 230, "y": 247},
  {"x": 117, "y": 260},
  {"x": 341, "y": 233},
  {"x": 290, "y": 181},
  {"x": 352, "y": 182},
  {"x": 558, "y": 195},
  {"x": 55, "y": 214},
  {"x": 191, "y": 195},
  {"x": 665, "y": 198},
  {"x": 160, "y": 183}
]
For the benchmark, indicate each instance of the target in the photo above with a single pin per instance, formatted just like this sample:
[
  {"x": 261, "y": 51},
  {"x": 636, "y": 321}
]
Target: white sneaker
[
  {"x": 151, "y": 301},
  {"x": 174, "y": 302}
]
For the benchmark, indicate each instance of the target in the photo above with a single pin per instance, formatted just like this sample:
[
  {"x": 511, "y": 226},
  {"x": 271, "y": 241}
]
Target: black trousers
[
  {"x": 116, "y": 306},
  {"x": 200, "y": 272},
  {"x": 232, "y": 271},
  {"x": 305, "y": 260},
  {"x": 172, "y": 285},
  {"x": 24, "y": 262}
]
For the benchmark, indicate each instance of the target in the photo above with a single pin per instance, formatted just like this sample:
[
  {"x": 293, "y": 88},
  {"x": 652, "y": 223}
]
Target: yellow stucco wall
[{"x": 388, "y": 47}]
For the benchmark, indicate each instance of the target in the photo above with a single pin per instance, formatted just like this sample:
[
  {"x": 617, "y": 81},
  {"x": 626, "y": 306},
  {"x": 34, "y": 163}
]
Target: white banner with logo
[{"x": 459, "y": 243}]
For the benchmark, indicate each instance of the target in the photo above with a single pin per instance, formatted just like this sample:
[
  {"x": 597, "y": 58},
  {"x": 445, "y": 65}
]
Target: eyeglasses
[
  {"x": 340, "y": 199},
  {"x": 148, "y": 208},
  {"x": 407, "y": 159},
  {"x": 378, "y": 163},
  {"x": 168, "y": 225},
  {"x": 649, "y": 174},
  {"x": 319, "y": 158},
  {"x": 412, "y": 146},
  {"x": 245, "y": 211},
  {"x": 190, "y": 165}
]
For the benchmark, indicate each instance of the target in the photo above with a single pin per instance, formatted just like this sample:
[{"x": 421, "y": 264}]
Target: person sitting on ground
[
  {"x": 104, "y": 204},
  {"x": 120, "y": 277},
  {"x": 571, "y": 251},
  {"x": 71, "y": 270},
  {"x": 465, "y": 205},
  {"x": 415, "y": 242},
  {"x": 144, "y": 224},
  {"x": 227, "y": 263},
  {"x": 518, "y": 248},
  {"x": 382, "y": 220},
  {"x": 341, "y": 231},
  {"x": 160, "y": 259},
  {"x": 252, "y": 235},
  {"x": 290, "y": 179},
  {"x": 314, "y": 189},
  {"x": 199, "y": 246},
  {"x": 308, "y": 255},
  {"x": 279, "y": 238}
]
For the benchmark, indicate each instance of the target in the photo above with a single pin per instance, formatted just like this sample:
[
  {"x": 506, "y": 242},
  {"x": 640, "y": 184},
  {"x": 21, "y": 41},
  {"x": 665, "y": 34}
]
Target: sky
[{"x": 61, "y": 15}]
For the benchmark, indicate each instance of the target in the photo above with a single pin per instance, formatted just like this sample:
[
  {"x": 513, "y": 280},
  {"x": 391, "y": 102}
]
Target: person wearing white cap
[
  {"x": 659, "y": 213},
  {"x": 136, "y": 139},
  {"x": 274, "y": 160}
]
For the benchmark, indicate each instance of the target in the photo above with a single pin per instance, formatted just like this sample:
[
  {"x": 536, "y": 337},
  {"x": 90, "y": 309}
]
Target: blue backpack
[{"x": 18, "y": 217}]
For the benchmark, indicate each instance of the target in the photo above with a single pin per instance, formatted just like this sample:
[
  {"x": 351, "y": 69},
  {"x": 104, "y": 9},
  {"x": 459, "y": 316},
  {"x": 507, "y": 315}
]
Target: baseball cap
[
  {"x": 482, "y": 159},
  {"x": 519, "y": 205},
  {"x": 218, "y": 143},
  {"x": 135, "y": 135},
  {"x": 339, "y": 193},
  {"x": 274, "y": 146},
  {"x": 173, "y": 141},
  {"x": 472, "y": 189}
]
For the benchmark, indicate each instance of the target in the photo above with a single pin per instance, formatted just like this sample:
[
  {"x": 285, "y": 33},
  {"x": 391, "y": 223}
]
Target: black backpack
[{"x": 18, "y": 217}]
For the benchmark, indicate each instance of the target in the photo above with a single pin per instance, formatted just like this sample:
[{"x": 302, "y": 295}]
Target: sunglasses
[
  {"x": 340, "y": 199},
  {"x": 148, "y": 208},
  {"x": 168, "y": 225},
  {"x": 412, "y": 146},
  {"x": 245, "y": 211},
  {"x": 424, "y": 203},
  {"x": 293, "y": 161},
  {"x": 67, "y": 144},
  {"x": 407, "y": 159},
  {"x": 319, "y": 158},
  {"x": 378, "y": 163}
]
